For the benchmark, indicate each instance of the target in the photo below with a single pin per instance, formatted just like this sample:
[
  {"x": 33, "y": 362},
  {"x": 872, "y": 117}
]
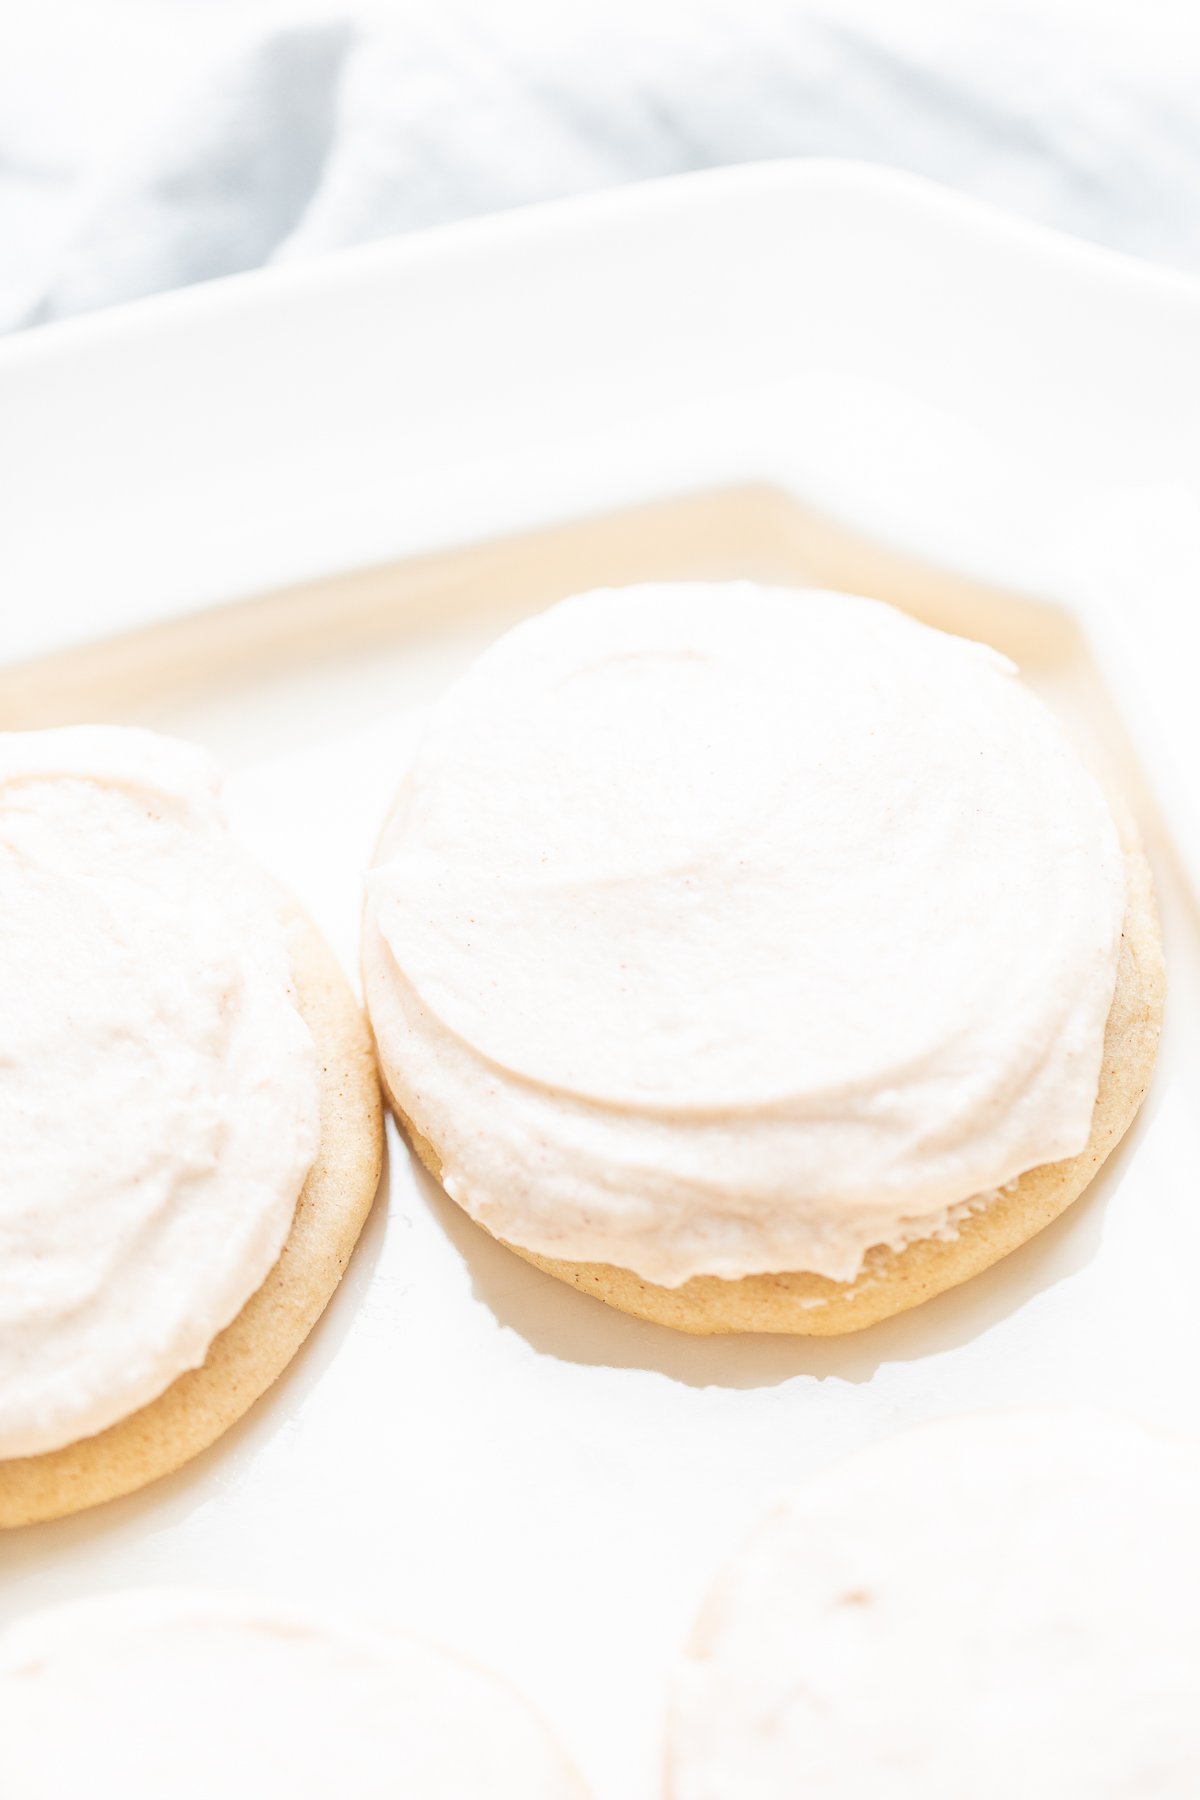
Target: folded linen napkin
[{"x": 145, "y": 144}]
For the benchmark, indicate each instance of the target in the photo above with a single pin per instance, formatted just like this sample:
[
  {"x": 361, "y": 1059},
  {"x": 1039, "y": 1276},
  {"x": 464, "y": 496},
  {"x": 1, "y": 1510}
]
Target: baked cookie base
[
  {"x": 251, "y": 1352},
  {"x": 892, "y": 1281}
]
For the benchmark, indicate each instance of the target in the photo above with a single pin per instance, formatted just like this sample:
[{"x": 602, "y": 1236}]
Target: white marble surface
[{"x": 149, "y": 143}]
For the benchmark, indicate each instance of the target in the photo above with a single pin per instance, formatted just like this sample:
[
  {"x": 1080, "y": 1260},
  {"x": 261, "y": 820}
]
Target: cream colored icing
[
  {"x": 993, "y": 1606},
  {"x": 723, "y": 929},
  {"x": 193, "y": 1695},
  {"x": 158, "y": 1087}
]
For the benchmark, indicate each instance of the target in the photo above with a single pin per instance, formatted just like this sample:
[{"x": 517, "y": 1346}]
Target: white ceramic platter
[{"x": 810, "y": 372}]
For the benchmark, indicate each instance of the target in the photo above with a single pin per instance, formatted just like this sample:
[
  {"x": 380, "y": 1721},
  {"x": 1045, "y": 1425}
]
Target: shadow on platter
[{"x": 557, "y": 1320}]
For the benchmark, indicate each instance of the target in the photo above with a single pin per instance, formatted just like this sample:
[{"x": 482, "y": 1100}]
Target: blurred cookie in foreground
[
  {"x": 991, "y": 1606},
  {"x": 757, "y": 959},
  {"x": 195, "y": 1695},
  {"x": 190, "y": 1118}
]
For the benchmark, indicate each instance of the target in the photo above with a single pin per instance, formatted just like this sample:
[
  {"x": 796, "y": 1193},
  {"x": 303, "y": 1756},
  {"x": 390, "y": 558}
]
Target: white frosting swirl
[
  {"x": 722, "y": 929},
  {"x": 197, "y": 1695},
  {"x": 993, "y": 1606},
  {"x": 158, "y": 1087}
]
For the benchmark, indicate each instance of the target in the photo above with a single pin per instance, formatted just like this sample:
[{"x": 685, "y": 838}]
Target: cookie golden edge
[
  {"x": 247, "y": 1357},
  {"x": 891, "y": 1281}
]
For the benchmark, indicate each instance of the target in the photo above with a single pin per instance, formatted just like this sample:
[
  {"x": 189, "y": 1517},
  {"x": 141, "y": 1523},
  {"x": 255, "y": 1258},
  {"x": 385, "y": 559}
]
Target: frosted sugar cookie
[
  {"x": 988, "y": 1606},
  {"x": 757, "y": 959},
  {"x": 189, "y": 1118},
  {"x": 193, "y": 1695}
]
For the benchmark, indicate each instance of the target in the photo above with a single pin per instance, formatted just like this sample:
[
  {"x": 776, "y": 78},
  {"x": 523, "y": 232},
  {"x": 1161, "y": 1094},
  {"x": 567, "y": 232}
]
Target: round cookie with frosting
[
  {"x": 757, "y": 959},
  {"x": 189, "y": 1118},
  {"x": 992, "y": 1606},
  {"x": 194, "y": 1695}
]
